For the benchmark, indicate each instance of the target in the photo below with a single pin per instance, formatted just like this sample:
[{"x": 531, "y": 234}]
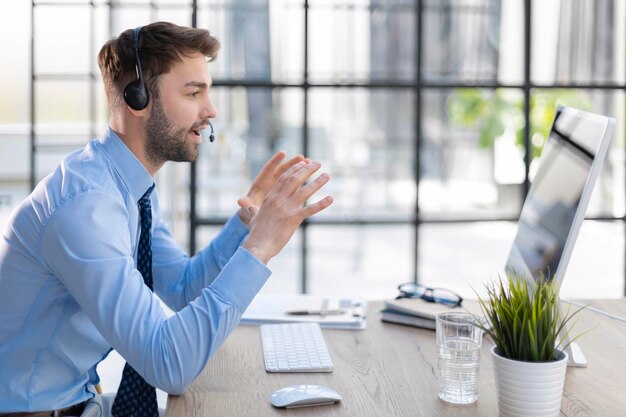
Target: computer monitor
[{"x": 556, "y": 203}]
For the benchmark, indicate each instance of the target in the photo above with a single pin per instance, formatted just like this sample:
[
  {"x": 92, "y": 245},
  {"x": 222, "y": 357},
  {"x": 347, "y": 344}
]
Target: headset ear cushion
[{"x": 136, "y": 96}]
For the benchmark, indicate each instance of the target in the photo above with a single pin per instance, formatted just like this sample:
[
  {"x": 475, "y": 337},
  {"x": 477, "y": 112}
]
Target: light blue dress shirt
[{"x": 70, "y": 291}]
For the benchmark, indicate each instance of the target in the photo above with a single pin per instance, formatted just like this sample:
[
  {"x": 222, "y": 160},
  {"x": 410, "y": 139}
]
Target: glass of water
[{"x": 458, "y": 350}]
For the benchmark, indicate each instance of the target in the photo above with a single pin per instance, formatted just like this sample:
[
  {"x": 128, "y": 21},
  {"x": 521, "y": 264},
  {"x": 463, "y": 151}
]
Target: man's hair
[{"x": 161, "y": 44}]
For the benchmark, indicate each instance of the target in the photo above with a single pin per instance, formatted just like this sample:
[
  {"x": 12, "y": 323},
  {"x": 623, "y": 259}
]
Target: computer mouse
[{"x": 304, "y": 395}]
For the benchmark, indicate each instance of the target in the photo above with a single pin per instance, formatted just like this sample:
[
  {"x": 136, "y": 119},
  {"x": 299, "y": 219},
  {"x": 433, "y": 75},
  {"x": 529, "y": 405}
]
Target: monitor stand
[{"x": 576, "y": 356}]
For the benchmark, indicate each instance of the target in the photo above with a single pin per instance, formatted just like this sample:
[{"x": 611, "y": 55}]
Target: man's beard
[{"x": 164, "y": 142}]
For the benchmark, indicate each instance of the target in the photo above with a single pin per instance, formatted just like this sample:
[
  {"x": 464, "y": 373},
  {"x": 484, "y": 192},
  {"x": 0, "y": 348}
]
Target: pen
[{"x": 315, "y": 312}]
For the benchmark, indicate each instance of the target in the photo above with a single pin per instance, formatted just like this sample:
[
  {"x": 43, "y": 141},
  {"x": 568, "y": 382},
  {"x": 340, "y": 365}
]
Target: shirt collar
[{"x": 134, "y": 175}]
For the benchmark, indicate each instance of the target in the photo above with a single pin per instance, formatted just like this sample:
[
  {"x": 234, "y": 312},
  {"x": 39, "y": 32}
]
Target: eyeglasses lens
[
  {"x": 445, "y": 297},
  {"x": 412, "y": 290}
]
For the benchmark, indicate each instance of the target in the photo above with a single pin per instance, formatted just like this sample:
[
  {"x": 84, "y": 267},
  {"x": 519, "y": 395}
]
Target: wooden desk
[{"x": 391, "y": 370}]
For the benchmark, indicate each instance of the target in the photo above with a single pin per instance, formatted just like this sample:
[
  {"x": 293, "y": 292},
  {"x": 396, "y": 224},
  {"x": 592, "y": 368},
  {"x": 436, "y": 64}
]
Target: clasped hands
[{"x": 274, "y": 207}]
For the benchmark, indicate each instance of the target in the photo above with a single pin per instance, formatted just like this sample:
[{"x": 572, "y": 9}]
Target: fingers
[
  {"x": 311, "y": 188},
  {"x": 245, "y": 202},
  {"x": 295, "y": 176},
  {"x": 271, "y": 165},
  {"x": 285, "y": 166},
  {"x": 312, "y": 209},
  {"x": 297, "y": 194},
  {"x": 269, "y": 174},
  {"x": 253, "y": 210},
  {"x": 274, "y": 169},
  {"x": 244, "y": 215},
  {"x": 282, "y": 211},
  {"x": 248, "y": 210}
]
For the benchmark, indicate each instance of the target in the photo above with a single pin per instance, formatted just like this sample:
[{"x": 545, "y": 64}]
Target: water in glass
[{"x": 458, "y": 370}]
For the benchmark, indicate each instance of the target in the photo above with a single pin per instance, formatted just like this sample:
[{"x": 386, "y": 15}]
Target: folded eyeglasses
[{"x": 432, "y": 295}]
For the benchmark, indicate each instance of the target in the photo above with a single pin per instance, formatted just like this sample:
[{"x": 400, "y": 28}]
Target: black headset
[{"x": 135, "y": 93}]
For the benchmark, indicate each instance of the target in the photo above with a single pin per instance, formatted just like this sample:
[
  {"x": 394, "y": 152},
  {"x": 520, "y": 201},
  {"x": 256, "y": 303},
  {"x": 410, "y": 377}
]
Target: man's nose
[{"x": 209, "y": 110}]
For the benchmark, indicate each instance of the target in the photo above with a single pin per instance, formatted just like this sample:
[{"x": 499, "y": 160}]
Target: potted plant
[{"x": 524, "y": 320}]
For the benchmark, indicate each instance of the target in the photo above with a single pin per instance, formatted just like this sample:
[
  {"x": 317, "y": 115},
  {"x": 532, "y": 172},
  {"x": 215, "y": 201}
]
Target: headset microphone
[
  {"x": 208, "y": 135},
  {"x": 211, "y": 136}
]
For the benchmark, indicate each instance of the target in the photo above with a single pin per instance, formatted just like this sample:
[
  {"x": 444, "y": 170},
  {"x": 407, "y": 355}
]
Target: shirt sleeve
[
  {"x": 179, "y": 279},
  {"x": 86, "y": 244}
]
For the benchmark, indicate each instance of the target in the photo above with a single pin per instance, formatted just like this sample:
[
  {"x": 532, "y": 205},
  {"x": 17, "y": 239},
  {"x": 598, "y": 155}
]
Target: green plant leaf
[{"x": 524, "y": 318}]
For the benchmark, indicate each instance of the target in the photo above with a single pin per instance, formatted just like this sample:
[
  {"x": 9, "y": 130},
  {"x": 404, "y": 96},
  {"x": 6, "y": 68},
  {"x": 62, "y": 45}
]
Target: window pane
[
  {"x": 205, "y": 234},
  {"x": 173, "y": 187},
  {"x": 62, "y": 48},
  {"x": 102, "y": 106},
  {"x": 358, "y": 42},
  {"x": 14, "y": 167},
  {"x": 55, "y": 141},
  {"x": 62, "y": 138},
  {"x": 127, "y": 17},
  {"x": 46, "y": 161},
  {"x": 252, "y": 125},
  {"x": 15, "y": 80},
  {"x": 608, "y": 196},
  {"x": 76, "y": 2},
  {"x": 260, "y": 40},
  {"x": 472, "y": 152},
  {"x": 286, "y": 269},
  {"x": 15, "y": 69},
  {"x": 360, "y": 261},
  {"x": 596, "y": 269},
  {"x": 101, "y": 24},
  {"x": 125, "y": 2},
  {"x": 579, "y": 42},
  {"x": 364, "y": 139},
  {"x": 62, "y": 102},
  {"x": 461, "y": 40},
  {"x": 178, "y": 15},
  {"x": 510, "y": 44},
  {"x": 462, "y": 257},
  {"x": 176, "y": 2}
]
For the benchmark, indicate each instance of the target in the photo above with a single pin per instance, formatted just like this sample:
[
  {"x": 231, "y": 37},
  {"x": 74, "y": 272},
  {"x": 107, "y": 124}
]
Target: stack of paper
[
  {"x": 329, "y": 312},
  {"x": 419, "y": 313}
]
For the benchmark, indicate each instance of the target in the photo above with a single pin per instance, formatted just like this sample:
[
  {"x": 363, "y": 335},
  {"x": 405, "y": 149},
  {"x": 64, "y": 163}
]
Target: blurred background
[{"x": 429, "y": 116}]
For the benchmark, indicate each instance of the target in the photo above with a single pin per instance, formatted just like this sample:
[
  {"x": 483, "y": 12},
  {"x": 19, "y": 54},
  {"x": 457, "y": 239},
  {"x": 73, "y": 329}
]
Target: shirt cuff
[
  {"x": 241, "y": 279},
  {"x": 230, "y": 237}
]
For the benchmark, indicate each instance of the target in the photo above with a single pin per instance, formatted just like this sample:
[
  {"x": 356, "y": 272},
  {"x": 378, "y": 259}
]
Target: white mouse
[{"x": 304, "y": 395}]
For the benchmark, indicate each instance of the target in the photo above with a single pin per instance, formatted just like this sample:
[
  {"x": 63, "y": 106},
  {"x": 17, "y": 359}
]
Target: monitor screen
[{"x": 559, "y": 195}]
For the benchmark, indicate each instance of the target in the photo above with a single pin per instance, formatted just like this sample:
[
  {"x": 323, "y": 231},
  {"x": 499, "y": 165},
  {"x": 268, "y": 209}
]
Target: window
[{"x": 428, "y": 114}]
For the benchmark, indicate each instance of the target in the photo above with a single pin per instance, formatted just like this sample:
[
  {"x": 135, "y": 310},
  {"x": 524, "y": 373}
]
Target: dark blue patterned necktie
[{"x": 135, "y": 397}]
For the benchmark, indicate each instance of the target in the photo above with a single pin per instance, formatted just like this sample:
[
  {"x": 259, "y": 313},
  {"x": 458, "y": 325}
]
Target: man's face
[{"x": 180, "y": 112}]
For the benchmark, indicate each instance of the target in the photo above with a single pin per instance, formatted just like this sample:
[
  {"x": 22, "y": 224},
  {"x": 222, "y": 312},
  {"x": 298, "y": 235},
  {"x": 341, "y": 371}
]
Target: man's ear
[{"x": 138, "y": 113}]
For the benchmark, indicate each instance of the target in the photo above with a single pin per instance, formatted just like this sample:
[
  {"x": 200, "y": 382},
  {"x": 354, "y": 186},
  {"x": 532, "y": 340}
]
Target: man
[{"x": 82, "y": 255}]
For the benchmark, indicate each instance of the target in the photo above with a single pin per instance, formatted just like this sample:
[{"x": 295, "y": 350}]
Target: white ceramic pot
[{"x": 529, "y": 388}]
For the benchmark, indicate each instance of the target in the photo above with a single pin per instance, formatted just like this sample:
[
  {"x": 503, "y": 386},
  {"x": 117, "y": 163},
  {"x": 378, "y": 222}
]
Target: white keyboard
[{"x": 295, "y": 347}]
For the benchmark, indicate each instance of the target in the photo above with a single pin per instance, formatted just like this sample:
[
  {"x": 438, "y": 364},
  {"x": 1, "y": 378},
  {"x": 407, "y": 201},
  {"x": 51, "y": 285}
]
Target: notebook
[
  {"x": 342, "y": 312},
  {"x": 420, "y": 308}
]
